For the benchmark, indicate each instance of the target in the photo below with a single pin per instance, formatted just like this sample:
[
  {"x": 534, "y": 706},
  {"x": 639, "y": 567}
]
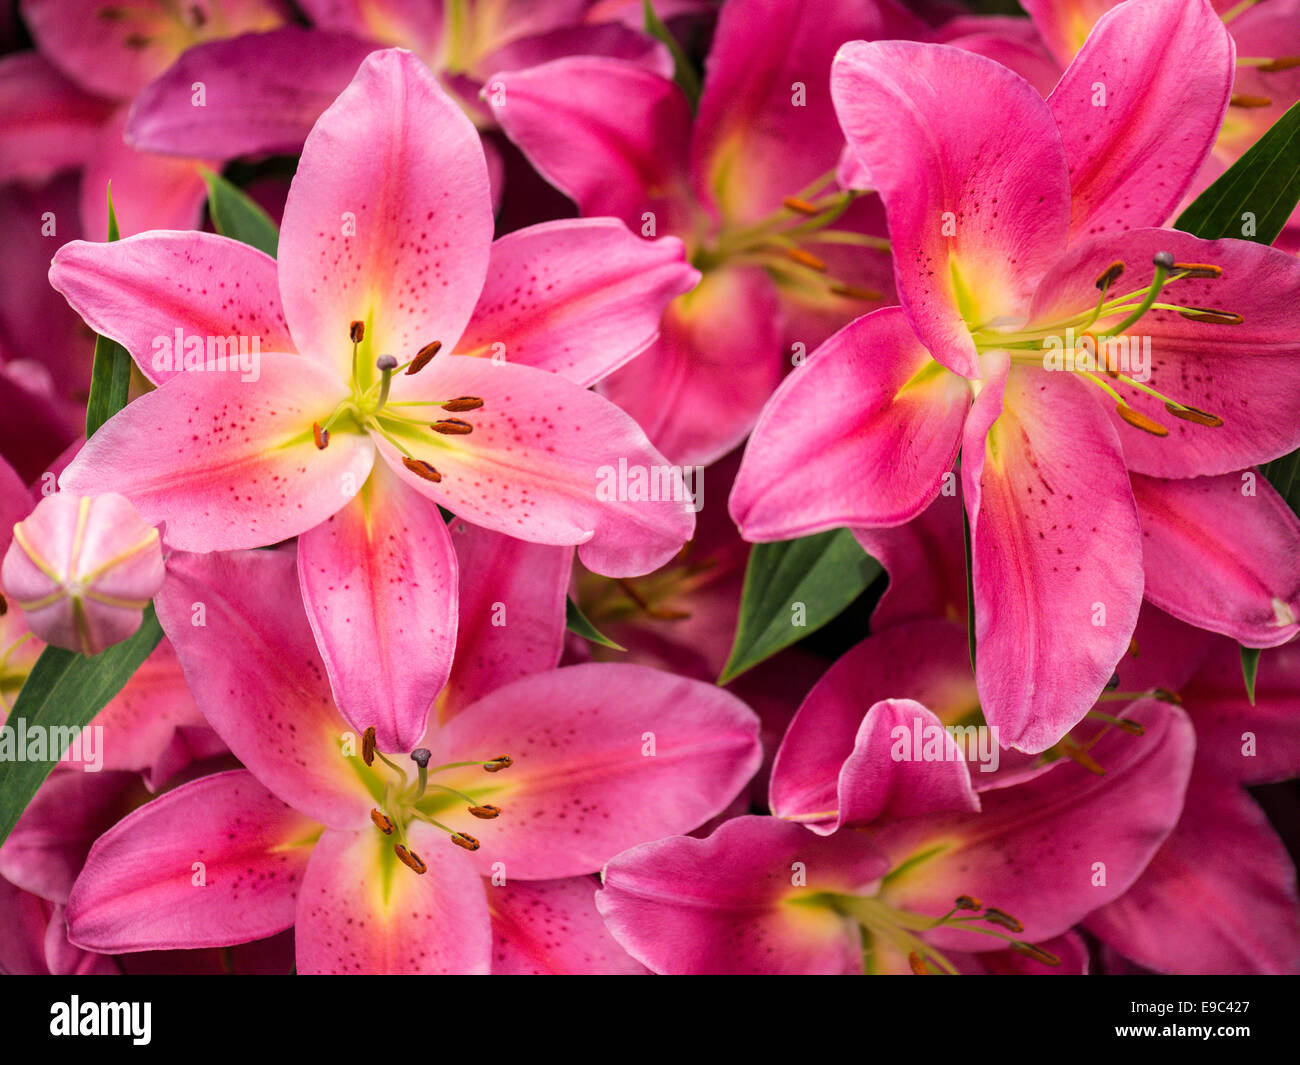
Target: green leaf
[
  {"x": 1250, "y": 670},
  {"x": 110, "y": 374},
  {"x": 576, "y": 621},
  {"x": 1264, "y": 182},
  {"x": 825, "y": 573},
  {"x": 683, "y": 73},
  {"x": 236, "y": 216},
  {"x": 66, "y": 689},
  {"x": 970, "y": 589}
]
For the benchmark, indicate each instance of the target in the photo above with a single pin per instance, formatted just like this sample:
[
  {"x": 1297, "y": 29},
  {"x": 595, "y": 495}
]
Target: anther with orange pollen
[{"x": 405, "y": 800}]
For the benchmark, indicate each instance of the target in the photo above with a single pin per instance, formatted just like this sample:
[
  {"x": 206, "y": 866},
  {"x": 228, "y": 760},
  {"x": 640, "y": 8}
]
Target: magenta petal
[
  {"x": 551, "y": 928},
  {"x": 1055, "y": 552},
  {"x": 1224, "y": 880},
  {"x": 1053, "y": 848},
  {"x": 828, "y": 728},
  {"x": 511, "y": 612},
  {"x": 589, "y": 743},
  {"x": 579, "y": 296},
  {"x": 620, "y": 161},
  {"x": 727, "y": 904},
  {"x": 140, "y": 291},
  {"x": 1139, "y": 109},
  {"x": 263, "y": 92},
  {"x": 1222, "y": 553},
  {"x": 862, "y": 434},
  {"x": 968, "y": 161},
  {"x": 47, "y": 123},
  {"x": 228, "y": 463},
  {"x": 379, "y": 584},
  {"x": 216, "y": 862},
  {"x": 402, "y": 244},
  {"x": 237, "y": 623},
  {"x": 362, "y": 912}
]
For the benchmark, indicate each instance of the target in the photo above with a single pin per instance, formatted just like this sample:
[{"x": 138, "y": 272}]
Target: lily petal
[{"x": 216, "y": 862}]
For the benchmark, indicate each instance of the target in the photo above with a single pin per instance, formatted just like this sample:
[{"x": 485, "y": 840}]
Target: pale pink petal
[
  {"x": 580, "y": 297},
  {"x": 237, "y": 623},
  {"x": 228, "y": 463},
  {"x": 379, "y": 584},
  {"x": 589, "y": 743},
  {"x": 389, "y": 219},
  {"x": 216, "y": 862},
  {"x": 542, "y": 463},
  {"x": 139, "y": 291},
  {"x": 362, "y": 912}
]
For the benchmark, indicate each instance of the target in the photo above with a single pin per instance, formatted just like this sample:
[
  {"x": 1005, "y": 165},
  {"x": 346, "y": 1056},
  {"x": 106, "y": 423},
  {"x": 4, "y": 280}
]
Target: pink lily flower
[
  {"x": 303, "y": 69},
  {"x": 744, "y": 185},
  {"x": 936, "y": 869},
  {"x": 372, "y": 269},
  {"x": 989, "y": 291},
  {"x": 329, "y": 833},
  {"x": 66, "y": 105},
  {"x": 1267, "y": 37},
  {"x": 1223, "y": 864}
]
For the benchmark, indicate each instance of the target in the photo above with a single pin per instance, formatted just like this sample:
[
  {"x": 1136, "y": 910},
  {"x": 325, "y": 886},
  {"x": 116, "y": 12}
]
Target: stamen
[
  {"x": 368, "y": 746},
  {"x": 798, "y": 203},
  {"x": 1139, "y": 420},
  {"x": 854, "y": 292},
  {"x": 1273, "y": 66},
  {"x": 4, "y": 606},
  {"x": 968, "y": 902},
  {"x": 423, "y": 357},
  {"x": 1113, "y": 683},
  {"x": 421, "y": 469},
  {"x": 357, "y": 332},
  {"x": 1110, "y": 275},
  {"x": 137, "y": 41},
  {"x": 462, "y": 403},
  {"x": 806, "y": 258},
  {"x": 486, "y": 812},
  {"x": 1191, "y": 414},
  {"x": 382, "y": 822},
  {"x": 1033, "y": 950},
  {"x": 1208, "y": 314},
  {"x": 1077, "y": 754},
  {"x": 500, "y": 762},
  {"x": 321, "y": 436},
  {"x": 1241, "y": 99},
  {"x": 461, "y": 839},
  {"x": 1003, "y": 920},
  {"x": 410, "y": 859},
  {"x": 919, "y": 968},
  {"x": 1165, "y": 695},
  {"x": 1199, "y": 270},
  {"x": 452, "y": 427}
]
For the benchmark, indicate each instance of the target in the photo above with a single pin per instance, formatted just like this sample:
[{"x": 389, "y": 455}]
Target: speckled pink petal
[
  {"x": 1139, "y": 109},
  {"x": 389, "y": 218},
  {"x": 362, "y": 911},
  {"x": 551, "y": 928},
  {"x": 1056, "y": 553},
  {"x": 863, "y": 434},
  {"x": 543, "y": 463},
  {"x": 969, "y": 164},
  {"x": 228, "y": 463},
  {"x": 253, "y": 667},
  {"x": 589, "y": 743},
  {"x": 216, "y": 862},
  {"x": 379, "y": 584},
  {"x": 579, "y": 296},
  {"x": 140, "y": 290}
]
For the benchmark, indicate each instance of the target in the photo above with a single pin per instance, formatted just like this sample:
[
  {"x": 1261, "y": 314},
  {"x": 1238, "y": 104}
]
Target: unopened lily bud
[{"x": 83, "y": 569}]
